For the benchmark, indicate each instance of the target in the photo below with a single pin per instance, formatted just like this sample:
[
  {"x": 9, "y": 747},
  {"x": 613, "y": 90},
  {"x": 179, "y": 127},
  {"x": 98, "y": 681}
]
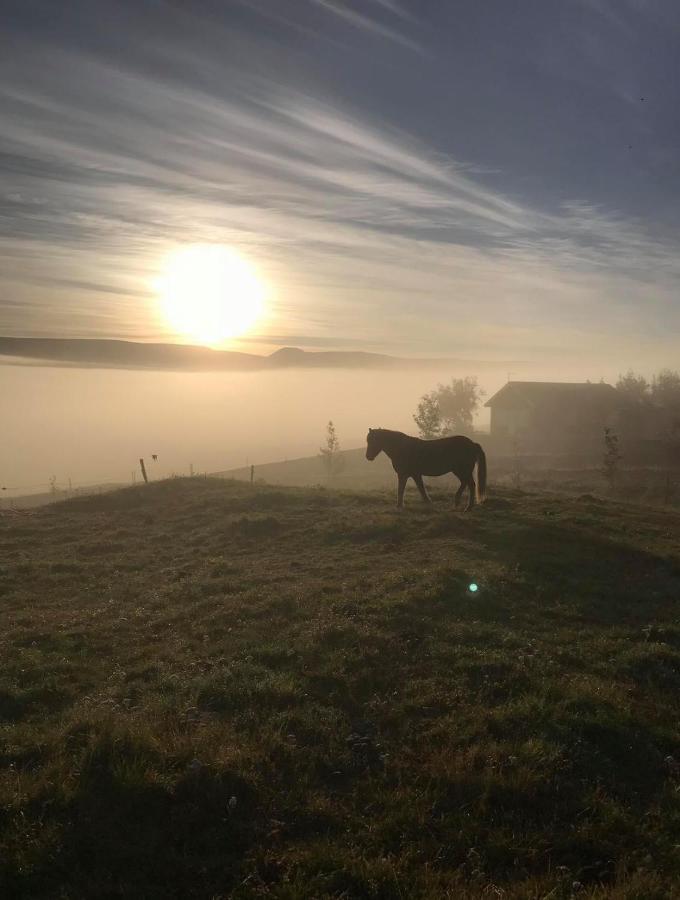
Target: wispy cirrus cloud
[
  {"x": 358, "y": 223},
  {"x": 360, "y": 20}
]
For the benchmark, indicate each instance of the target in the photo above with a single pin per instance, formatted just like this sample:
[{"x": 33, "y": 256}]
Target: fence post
[
  {"x": 143, "y": 468},
  {"x": 252, "y": 475}
]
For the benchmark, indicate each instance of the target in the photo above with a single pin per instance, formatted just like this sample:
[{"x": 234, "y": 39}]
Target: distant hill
[
  {"x": 31, "y": 501},
  {"x": 136, "y": 355}
]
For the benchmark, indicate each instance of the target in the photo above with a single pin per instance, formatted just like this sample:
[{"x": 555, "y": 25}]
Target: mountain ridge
[{"x": 114, "y": 353}]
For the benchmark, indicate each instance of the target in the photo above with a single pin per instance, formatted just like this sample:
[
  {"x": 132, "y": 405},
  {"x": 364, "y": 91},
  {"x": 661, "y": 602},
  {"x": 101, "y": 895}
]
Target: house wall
[
  {"x": 509, "y": 422},
  {"x": 566, "y": 428}
]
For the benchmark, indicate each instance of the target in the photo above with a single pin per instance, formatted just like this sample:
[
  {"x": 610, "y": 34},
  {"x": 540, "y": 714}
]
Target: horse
[{"x": 413, "y": 457}]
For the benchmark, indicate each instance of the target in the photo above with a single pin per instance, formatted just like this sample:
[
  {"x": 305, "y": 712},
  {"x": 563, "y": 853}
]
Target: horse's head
[{"x": 373, "y": 443}]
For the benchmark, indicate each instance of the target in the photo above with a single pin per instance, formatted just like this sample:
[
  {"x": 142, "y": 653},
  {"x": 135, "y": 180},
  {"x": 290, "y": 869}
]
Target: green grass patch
[{"x": 210, "y": 690}]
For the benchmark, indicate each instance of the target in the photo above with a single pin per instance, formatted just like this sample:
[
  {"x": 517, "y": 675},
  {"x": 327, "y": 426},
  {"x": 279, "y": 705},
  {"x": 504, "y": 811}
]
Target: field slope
[{"x": 211, "y": 690}]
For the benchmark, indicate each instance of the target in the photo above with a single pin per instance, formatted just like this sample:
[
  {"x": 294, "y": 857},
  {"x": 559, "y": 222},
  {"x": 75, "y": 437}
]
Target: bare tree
[
  {"x": 671, "y": 439},
  {"x": 612, "y": 457},
  {"x": 516, "y": 464},
  {"x": 329, "y": 454}
]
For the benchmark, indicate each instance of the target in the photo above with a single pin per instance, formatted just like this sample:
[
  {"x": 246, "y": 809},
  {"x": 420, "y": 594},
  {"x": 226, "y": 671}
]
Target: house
[{"x": 553, "y": 416}]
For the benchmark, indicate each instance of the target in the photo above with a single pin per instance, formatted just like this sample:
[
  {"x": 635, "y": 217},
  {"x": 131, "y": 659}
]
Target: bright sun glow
[{"x": 210, "y": 293}]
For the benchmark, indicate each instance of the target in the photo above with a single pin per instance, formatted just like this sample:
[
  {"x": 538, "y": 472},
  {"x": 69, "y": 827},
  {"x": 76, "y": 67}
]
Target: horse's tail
[{"x": 481, "y": 474}]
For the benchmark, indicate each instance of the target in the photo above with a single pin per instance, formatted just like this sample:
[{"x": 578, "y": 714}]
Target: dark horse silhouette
[{"x": 412, "y": 458}]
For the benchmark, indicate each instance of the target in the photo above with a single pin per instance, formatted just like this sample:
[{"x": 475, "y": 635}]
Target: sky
[{"x": 485, "y": 180}]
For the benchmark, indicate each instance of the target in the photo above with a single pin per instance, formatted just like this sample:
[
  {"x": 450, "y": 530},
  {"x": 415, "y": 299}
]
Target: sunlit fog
[{"x": 92, "y": 425}]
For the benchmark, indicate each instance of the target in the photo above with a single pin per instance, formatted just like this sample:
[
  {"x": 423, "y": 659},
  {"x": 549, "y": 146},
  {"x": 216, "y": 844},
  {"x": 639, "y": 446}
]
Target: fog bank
[{"x": 92, "y": 425}]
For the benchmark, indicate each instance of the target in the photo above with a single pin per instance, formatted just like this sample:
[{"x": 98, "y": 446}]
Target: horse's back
[
  {"x": 452, "y": 441},
  {"x": 441, "y": 455}
]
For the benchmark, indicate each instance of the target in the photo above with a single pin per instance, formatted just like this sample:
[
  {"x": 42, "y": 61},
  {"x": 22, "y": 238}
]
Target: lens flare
[{"x": 473, "y": 587}]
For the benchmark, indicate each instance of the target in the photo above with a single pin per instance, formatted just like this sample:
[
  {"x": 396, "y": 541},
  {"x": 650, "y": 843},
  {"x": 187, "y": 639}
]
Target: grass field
[{"x": 211, "y": 690}]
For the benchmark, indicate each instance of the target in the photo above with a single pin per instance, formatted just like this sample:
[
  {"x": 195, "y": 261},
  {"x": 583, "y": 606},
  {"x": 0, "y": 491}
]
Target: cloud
[
  {"x": 396, "y": 8},
  {"x": 612, "y": 14},
  {"x": 368, "y": 24},
  {"x": 358, "y": 226}
]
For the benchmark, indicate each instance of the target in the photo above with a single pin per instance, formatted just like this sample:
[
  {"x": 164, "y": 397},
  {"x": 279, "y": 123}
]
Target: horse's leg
[
  {"x": 472, "y": 489},
  {"x": 421, "y": 487},
  {"x": 459, "y": 493},
  {"x": 400, "y": 490}
]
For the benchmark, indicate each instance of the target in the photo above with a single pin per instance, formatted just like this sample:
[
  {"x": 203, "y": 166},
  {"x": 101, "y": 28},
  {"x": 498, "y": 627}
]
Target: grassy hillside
[
  {"x": 651, "y": 485},
  {"x": 214, "y": 691},
  {"x": 355, "y": 472}
]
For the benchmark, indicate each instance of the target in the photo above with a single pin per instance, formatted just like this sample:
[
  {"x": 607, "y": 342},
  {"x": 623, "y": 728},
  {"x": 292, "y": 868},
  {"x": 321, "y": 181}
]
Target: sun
[{"x": 209, "y": 293}]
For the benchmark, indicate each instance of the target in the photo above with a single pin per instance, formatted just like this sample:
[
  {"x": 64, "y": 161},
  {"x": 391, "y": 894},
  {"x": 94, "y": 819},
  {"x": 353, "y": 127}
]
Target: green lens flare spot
[{"x": 473, "y": 587}]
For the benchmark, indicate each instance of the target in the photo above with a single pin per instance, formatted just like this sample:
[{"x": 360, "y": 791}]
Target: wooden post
[
  {"x": 143, "y": 468},
  {"x": 191, "y": 470},
  {"x": 252, "y": 475}
]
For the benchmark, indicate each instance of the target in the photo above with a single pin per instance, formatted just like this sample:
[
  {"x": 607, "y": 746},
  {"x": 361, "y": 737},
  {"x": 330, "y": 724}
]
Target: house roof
[{"x": 539, "y": 393}]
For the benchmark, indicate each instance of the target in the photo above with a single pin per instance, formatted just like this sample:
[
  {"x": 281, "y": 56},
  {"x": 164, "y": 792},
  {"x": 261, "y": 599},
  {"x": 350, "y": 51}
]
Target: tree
[
  {"x": 330, "y": 453},
  {"x": 634, "y": 388},
  {"x": 428, "y": 417},
  {"x": 612, "y": 456},
  {"x": 449, "y": 409},
  {"x": 665, "y": 391},
  {"x": 671, "y": 440}
]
